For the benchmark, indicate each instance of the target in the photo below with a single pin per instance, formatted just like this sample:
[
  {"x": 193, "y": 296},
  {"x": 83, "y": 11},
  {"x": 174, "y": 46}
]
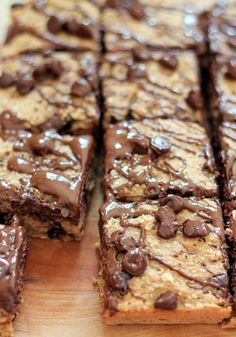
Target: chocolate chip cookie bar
[
  {"x": 46, "y": 179},
  {"x": 228, "y": 157},
  {"x": 151, "y": 158},
  {"x": 143, "y": 84},
  {"x": 51, "y": 24},
  {"x": 50, "y": 90},
  {"x": 13, "y": 248},
  {"x": 163, "y": 262},
  {"x": 223, "y": 87},
  {"x": 130, "y": 24}
]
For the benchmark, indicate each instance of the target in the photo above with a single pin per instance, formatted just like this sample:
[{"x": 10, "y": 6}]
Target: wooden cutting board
[{"x": 60, "y": 299}]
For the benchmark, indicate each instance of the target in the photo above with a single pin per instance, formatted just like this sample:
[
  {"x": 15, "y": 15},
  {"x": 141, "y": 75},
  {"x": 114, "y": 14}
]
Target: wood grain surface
[{"x": 59, "y": 297}]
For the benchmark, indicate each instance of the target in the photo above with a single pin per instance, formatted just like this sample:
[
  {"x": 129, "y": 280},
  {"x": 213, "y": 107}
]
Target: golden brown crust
[{"x": 208, "y": 315}]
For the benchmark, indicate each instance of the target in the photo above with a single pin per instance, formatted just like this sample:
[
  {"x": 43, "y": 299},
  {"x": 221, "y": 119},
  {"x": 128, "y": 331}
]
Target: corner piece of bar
[
  {"x": 130, "y": 24},
  {"x": 13, "y": 250},
  {"x": 164, "y": 262},
  {"x": 51, "y": 90},
  {"x": 144, "y": 84},
  {"x": 62, "y": 25},
  {"x": 151, "y": 158},
  {"x": 47, "y": 179}
]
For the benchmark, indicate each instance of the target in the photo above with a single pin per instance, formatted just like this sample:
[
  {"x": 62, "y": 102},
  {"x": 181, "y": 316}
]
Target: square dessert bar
[
  {"x": 227, "y": 136},
  {"x": 222, "y": 28},
  {"x": 151, "y": 158},
  {"x": 230, "y": 213},
  {"x": 223, "y": 87},
  {"x": 13, "y": 249},
  {"x": 46, "y": 179},
  {"x": 51, "y": 24},
  {"x": 163, "y": 262},
  {"x": 132, "y": 24},
  {"x": 50, "y": 90},
  {"x": 143, "y": 84}
]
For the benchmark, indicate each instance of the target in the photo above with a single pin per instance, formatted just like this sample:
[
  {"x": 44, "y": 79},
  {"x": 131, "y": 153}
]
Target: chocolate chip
[
  {"x": 56, "y": 232},
  {"x": 54, "y": 24},
  {"x": 85, "y": 31},
  {"x": 175, "y": 202},
  {"x": 136, "y": 10},
  {"x": 195, "y": 228},
  {"x": 40, "y": 73},
  {"x": 167, "y": 301},
  {"x": 72, "y": 26},
  {"x": 169, "y": 61},
  {"x": 80, "y": 88},
  {"x": 118, "y": 281},
  {"x": 141, "y": 53},
  {"x": 231, "y": 69},
  {"x": 6, "y": 80},
  {"x": 136, "y": 71},
  {"x": 24, "y": 83},
  {"x": 160, "y": 145},
  {"x": 194, "y": 99},
  {"x": 134, "y": 262},
  {"x": 55, "y": 67},
  {"x": 123, "y": 242},
  {"x": 167, "y": 224},
  {"x": 113, "y": 3}
]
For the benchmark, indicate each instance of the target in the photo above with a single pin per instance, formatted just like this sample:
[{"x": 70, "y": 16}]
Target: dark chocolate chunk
[
  {"x": 54, "y": 24},
  {"x": 134, "y": 262},
  {"x": 24, "y": 83},
  {"x": 118, "y": 281},
  {"x": 167, "y": 224},
  {"x": 194, "y": 99},
  {"x": 231, "y": 69},
  {"x": 40, "y": 73},
  {"x": 123, "y": 242},
  {"x": 160, "y": 145},
  {"x": 169, "y": 61},
  {"x": 141, "y": 53},
  {"x": 167, "y": 301},
  {"x": 80, "y": 88},
  {"x": 72, "y": 26},
  {"x": 55, "y": 67},
  {"x": 136, "y": 10},
  {"x": 195, "y": 228},
  {"x": 136, "y": 71},
  {"x": 175, "y": 202},
  {"x": 85, "y": 31},
  {"x": 6, "y": 80},
  {"x": 55, "y": 232}
]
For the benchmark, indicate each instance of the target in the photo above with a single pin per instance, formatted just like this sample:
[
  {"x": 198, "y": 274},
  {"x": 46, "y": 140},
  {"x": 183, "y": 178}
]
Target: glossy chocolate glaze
[
  {"x": 117, "y": 273},
  {"x": 12, "y": 257}
]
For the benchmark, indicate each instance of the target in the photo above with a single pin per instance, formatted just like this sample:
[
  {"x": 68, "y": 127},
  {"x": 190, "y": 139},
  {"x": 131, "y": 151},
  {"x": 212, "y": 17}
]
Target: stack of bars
[
  {"x": 49, "y": 115},
  {"x": 163, "y": 248}
]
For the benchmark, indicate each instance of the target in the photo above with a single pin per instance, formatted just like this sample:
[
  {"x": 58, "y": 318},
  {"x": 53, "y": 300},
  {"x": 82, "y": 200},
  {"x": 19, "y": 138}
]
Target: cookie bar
[
  {"x": 51, "y": 90},
  {"x": 143, "y": 84},
  {"x": 228, "y": 156},
  {"x": 222, "y": 28},
  {"x": 13, "y": 248},
  {"x": 163, "y": 262},
  {"x": 46, "y": 179},
  {"x": 132, "y": 24},
  {"x": 151, "y": 158},
  {"x": 51, "y": 24},
  {"x": 223, "y": 87}
]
